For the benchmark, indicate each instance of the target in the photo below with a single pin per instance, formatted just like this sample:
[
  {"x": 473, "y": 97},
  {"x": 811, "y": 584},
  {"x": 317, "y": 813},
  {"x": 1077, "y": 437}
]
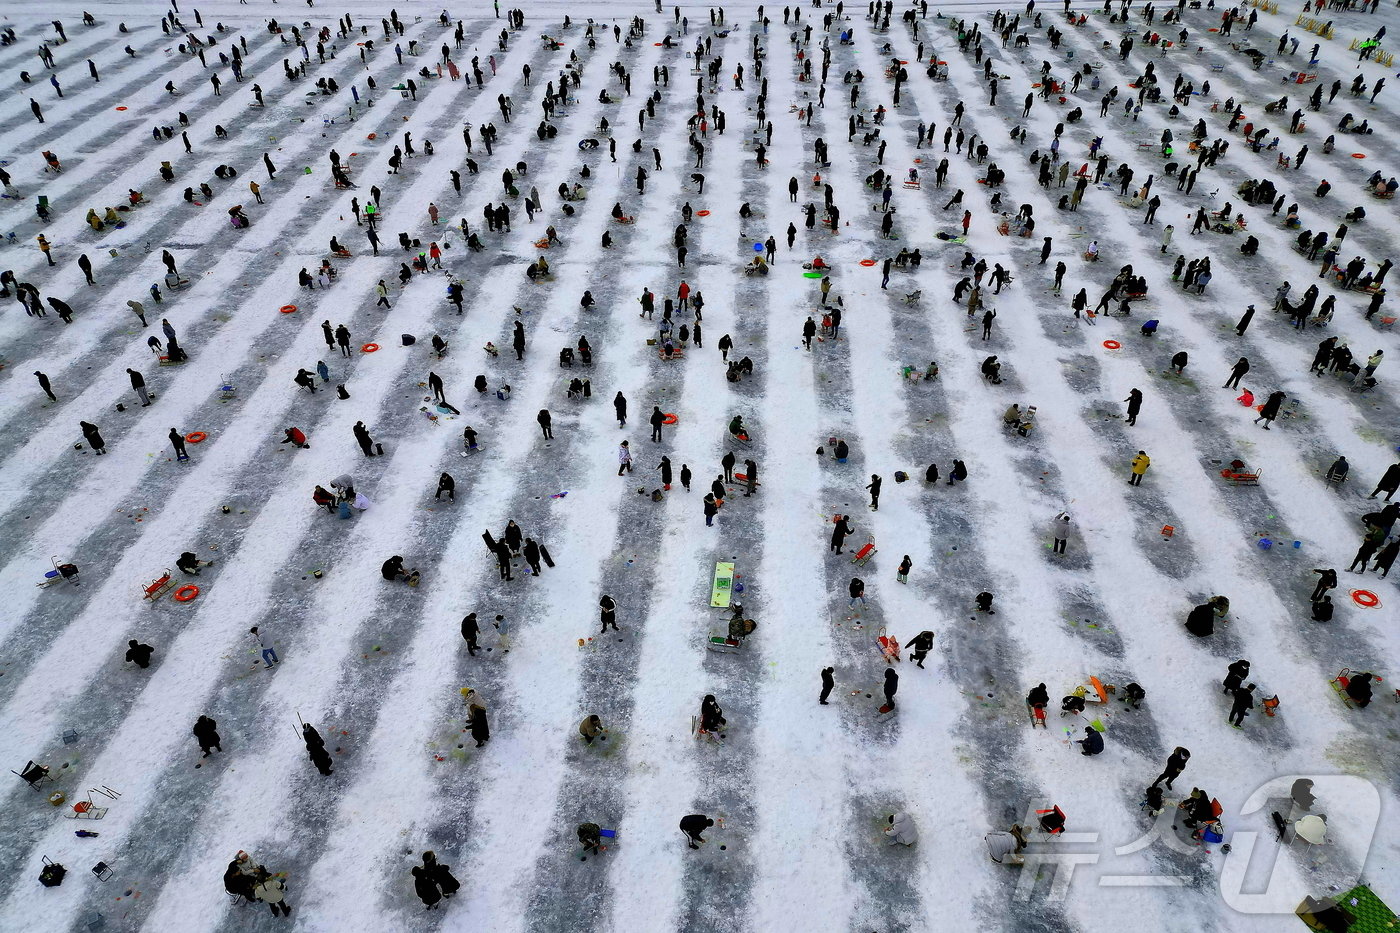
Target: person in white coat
[
  {"x": 901, "y": 830},
  {"x": 271, "y": 891},
  {"x": 1005, "y": 847}
]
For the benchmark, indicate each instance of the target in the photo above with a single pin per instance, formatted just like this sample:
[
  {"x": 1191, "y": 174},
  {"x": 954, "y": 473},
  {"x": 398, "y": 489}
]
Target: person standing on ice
[
  {"x": 138, "y": 382},
  {"x": 874, "y": 488},
  {"x": 624, "y": 458},
  {"x": 207, "y": 735},
  {"x": 1061, "y": 532},
  {"x": 471, "y": 630},
  {"x": 1139, "y": 466},
  {"x": 608, "y": 613},
  {"x": 480, "y": 728},
  {"x": 839, "y": 533},
  {"x": 363, "y": 439},
  {"x": 1134, "y": 401}
]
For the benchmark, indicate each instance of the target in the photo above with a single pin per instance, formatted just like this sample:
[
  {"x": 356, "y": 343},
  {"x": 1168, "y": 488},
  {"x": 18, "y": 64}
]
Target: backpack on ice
[{"x": 52, "y": 874}]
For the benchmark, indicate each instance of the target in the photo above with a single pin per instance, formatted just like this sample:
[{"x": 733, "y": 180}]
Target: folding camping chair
[{"x": 34, "y": 774}]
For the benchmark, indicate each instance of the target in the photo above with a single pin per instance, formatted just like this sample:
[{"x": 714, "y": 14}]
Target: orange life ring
[
  {"x": 867, "y": 262},
  {"x": 1358, "y": 155},
  {"x": 369, "y": 347},
  {"x": 370, "y": 136},
  {"x": 1365, "y": 598},
  {"x": 186, "y": 593},
  {"x": 288, "y": 309},
  {"x": 1112, "y": 345},
  {"x": 702, "y": 213},
  {"x": 194, "y": 437},
  {"x": 670, "y": 418},
  {"x": 121, "y": 108}
]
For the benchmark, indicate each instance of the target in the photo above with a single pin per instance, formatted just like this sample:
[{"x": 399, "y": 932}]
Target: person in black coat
[
  {"x": 1237, "y": 373},
  {"x": 425, "y": 887},
  {"x": 316, "y": 748},
  {"x": 1092, "y": 743},
  {"x": 513, "y": 537},
  {"x": 1390, "y": 481},
  {"x": 392, "y": 568},
  {"x": 1201, "y": 621},
  {"x": 891, "y": 685},
  {"x": 531, "y": 550},
  {"x": 828, "y": 683},
  {"x": 922, "y": 644},
  {"x": 503, "y": 560},
  {"x": 517, "y": 340},
  {"x": 665, "y": 467},
  {"x": 470, "y": 631},
  {"x": 481, "y": 730},
  {"x": 1327, "y": 580},
  {"x": 857, "y": 591},
  {"x": 693, "y": 825},
  {"x": 1242, "y": 701},
  {"x": 1359, "y": 689},
  {"x": 440, "y": 874},
  {"x": 44, "y": 384},
  {"x": 363, "y": 439},
  {"x": 95, "y": 441},
  {"x": 959, "y": 472},
  {"x": 608, "y": 613},
  {"x": 239, "y": 882},
  {"x": 620, "y": 409},
  {"x": 874, "y": 487},
  {"x": 545, "y": 423},
  {"x": 658, "y": 418},
  {"x": 1322, "y": 609},
  {"x": 1235, "y": 675},
  {"x": 446, "y": 484},
  {"x": 206, "y": 733},
  {"x": 139, "y": 654},
  {"x": 1269, "y": 412},
  {"x": 1176, "y": 763},
  {"x": 711, "y": 714},
  {"x": 838, "y": 534},
  {"x": 1134, "y": 401}
]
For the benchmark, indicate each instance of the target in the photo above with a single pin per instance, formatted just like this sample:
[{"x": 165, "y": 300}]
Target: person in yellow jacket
[
  {"x": 1140, "y": 464},
  {"x": 44, "y": 247}
]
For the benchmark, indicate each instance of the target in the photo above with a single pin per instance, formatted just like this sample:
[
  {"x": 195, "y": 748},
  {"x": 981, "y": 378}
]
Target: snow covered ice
[{"x": 477, "y": 755}]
